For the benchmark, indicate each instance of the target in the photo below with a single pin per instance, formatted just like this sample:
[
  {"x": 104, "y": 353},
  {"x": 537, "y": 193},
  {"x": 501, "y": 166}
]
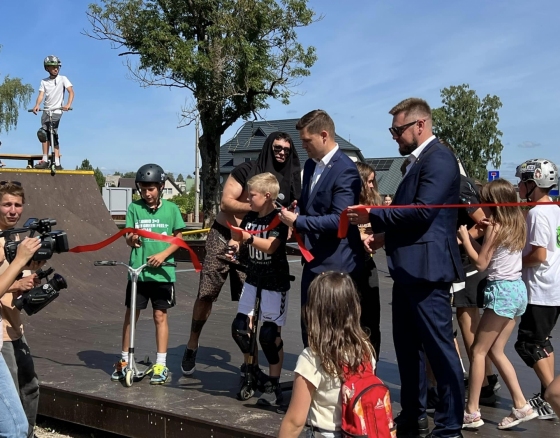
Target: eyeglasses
[
  {"x": 277, "y": 149},
  {"x": 397, "y": 131},
  {"x": 16, "y": 183}
]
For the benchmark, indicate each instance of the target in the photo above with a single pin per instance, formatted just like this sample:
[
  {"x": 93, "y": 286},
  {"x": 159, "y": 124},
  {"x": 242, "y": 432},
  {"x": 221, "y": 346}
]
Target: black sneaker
[
  {"x": 406, "y": 427},
  {"x": 59, "y": 167},
  {"x": 188, "y": 365},
  {"x": 487, "y": 396},
  {"x": 42, "y": 165},
  {"x": 493, "y": 382},
  {"x": 271, "y": 396}
]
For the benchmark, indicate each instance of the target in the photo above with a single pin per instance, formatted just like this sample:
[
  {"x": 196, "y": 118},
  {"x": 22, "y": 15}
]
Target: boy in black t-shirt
[{"x": 267, "y": 268}]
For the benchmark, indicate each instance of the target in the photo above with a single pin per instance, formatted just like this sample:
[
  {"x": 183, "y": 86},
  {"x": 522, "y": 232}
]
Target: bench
[{"x": 29, "y": 157}]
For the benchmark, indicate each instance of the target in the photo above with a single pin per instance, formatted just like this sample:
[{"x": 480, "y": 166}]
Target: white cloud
[{"x": 528, "y": 144}]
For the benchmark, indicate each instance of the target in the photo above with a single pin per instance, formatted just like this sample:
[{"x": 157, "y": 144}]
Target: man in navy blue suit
[
  {"x": 331, "y": 183},
  {"x": 423, "y": 258}
]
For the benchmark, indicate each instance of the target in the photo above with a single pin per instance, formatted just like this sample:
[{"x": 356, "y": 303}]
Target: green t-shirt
[{"x": 165, "y": 220}]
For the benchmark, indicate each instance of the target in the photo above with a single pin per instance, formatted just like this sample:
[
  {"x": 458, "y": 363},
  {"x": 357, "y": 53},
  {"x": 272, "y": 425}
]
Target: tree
[
  {"x": 232, "y": 55},
  {"x": 170, "y": 176},
  {"x": 98, "y": 175},
  {"x": 129, "y": 175},
  {"x": 470, "y": 126},
  {"x": 117, "y": 173},
  {"x": 185, "y": 202},
  {"x": 180, "y": 178},
  {"x": 13, "y": 95}
]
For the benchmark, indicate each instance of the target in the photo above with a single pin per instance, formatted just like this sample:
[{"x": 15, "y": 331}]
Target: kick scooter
[
  {"x": 133, "y": 374},
  {"x": 251, "y": 381},
  {"x": 50, "y": 112}
]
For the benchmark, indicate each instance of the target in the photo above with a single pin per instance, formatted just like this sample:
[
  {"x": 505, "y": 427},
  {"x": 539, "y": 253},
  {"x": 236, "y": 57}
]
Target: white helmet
[{"x": 540, "y": 170}]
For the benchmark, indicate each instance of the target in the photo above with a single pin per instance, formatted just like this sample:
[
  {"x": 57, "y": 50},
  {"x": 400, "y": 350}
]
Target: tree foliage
[
  {"x": 129, "y": 175},
  {"x": 232, "y": 55},
  {"x": 99, "y": 177},
  {"x": 180, "y": 178},
  {"x": 13, "y": 95},
  {"x": 170, "y": 176},
  {"x": 470, "y": 125},
  {"x": 185, "y": 202}
]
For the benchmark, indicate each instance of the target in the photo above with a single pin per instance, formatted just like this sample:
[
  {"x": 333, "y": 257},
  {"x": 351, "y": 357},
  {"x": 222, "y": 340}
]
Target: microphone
[{"x": 280, "y": 197}]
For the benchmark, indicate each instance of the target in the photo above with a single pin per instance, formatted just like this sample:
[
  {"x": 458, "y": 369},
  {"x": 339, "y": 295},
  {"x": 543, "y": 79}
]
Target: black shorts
[
  {"x": 162, "y": 295},
  {"x": 537, "y": 323},
  {"x": 472, "y": 294}
]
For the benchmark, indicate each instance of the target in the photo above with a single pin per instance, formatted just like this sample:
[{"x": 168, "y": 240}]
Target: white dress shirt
[
  {"x": 320, "y": 166},
  {"x": 416, "y": 153}
]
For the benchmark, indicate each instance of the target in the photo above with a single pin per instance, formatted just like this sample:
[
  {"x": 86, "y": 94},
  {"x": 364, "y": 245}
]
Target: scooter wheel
[
  {"x": 245, "y": 393},
  {"x": 128, "y": 378}
]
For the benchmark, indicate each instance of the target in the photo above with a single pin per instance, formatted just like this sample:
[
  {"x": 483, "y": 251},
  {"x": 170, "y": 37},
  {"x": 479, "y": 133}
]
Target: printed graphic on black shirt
[{"x": 272, "y": 269}]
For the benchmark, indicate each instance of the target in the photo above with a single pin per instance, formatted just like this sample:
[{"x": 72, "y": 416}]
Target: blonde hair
[
  {"x": 413, "y": 106},
  {"x": 332, "y": 316},
  {"x": 316, "y": 121},
  {"x": 264, "y": 183},
  {"x": 512, "y": 231}
]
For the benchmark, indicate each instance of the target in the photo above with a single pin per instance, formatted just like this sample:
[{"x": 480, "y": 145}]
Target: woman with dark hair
[{"x": 368, "y": 284}]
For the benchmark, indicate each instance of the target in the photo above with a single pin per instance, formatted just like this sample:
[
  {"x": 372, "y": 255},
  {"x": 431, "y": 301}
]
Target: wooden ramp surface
[{"x": 76, "y": 339}]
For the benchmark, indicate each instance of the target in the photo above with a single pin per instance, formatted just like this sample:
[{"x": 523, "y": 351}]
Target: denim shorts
[{"x": 508, "y": 298}]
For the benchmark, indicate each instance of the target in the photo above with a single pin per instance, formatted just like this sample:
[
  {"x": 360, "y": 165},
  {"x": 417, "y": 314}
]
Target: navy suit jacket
[
  {"x": 421, "y": 244},
  {"x": 338, "y": 187}
]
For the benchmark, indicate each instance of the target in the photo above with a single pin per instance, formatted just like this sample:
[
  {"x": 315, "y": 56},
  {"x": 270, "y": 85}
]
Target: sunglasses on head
[
  {"x": 277, "y": 149},
  {"x": 397, "y": 131},
  {"x": 16, "y": 183}
]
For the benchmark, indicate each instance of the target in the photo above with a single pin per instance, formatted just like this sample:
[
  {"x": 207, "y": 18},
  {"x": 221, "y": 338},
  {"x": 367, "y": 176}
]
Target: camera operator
[{"x": 16, "y": 363}]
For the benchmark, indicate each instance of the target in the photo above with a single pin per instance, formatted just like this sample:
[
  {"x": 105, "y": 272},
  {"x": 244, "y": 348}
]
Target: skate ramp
[{"x": 73, "y": 198}]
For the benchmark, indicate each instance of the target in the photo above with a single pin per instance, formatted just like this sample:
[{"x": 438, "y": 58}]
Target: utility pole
[{"x": 196, "y": 178}]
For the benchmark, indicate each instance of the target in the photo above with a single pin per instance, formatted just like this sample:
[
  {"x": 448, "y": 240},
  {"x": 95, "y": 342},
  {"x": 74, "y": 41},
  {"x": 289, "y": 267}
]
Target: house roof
[
  {"x": 387, "y": 173},
  {"x": 128, "y": 183},
  {"x": 251, "y": 137}
]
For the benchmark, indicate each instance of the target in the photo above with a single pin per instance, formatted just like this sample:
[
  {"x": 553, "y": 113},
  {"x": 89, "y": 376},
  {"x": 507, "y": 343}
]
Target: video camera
[
  {"x": 35, "y": 299},
  {"x": 51, "y": 241}
]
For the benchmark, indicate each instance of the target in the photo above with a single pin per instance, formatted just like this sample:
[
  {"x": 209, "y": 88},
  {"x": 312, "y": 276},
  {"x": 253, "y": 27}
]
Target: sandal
[
  {"x": 518, "y": 416},
  {"x": 472, "y": 421}
]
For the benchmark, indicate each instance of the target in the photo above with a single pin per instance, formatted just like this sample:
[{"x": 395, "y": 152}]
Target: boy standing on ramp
[{"x": 155, "y": 283}]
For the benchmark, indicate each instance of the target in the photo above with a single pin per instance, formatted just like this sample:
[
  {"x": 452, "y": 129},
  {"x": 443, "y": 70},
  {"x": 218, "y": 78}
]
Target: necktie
[{"x": 405, "y": 165}]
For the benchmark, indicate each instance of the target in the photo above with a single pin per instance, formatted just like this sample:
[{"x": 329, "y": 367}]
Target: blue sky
[{"x": 372, "y": 54}]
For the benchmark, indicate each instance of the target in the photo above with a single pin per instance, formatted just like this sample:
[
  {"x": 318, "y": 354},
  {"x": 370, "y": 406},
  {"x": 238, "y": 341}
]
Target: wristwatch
[{"x": 250, "y": 240}]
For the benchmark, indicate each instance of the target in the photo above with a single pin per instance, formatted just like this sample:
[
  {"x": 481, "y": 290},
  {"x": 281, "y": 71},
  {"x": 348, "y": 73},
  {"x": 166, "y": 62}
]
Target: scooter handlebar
[
  {"x": 105, "y": 263},
  {"x": 49, "y": 109}
]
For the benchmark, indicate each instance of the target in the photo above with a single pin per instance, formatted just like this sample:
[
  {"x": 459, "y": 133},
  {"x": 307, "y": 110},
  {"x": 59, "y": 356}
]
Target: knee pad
[
  {"x": 240, "y": 333},
  {"x": 267, "y": 338},
  {"x": 42, "y": 135},
  {"x": 531, "y": 352}
]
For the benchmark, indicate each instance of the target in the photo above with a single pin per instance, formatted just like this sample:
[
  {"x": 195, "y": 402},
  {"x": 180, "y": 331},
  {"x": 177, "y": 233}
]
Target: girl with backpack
[
  {"x": 505, "y": 298},
  {"x": 338, "y": 347}
]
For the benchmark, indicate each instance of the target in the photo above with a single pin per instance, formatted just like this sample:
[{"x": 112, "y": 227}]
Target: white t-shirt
[
  {"x": 543, "y": 281},
  {"x": 54, "y": 91},
  {"x": 326, "y": 405}
]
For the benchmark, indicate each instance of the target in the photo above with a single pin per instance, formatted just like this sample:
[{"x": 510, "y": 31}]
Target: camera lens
[{"x": 58, "y": 282}]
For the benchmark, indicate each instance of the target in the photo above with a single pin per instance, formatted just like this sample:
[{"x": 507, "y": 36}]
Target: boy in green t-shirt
[{"x": 155, "y": 283}]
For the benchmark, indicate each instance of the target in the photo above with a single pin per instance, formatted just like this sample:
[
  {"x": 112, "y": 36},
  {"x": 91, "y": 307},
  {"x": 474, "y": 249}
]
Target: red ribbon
[
  {"x": 273, "y": 224},
  {"x": 144, "y": 233},
  {"x": 345, "y": 223}
]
